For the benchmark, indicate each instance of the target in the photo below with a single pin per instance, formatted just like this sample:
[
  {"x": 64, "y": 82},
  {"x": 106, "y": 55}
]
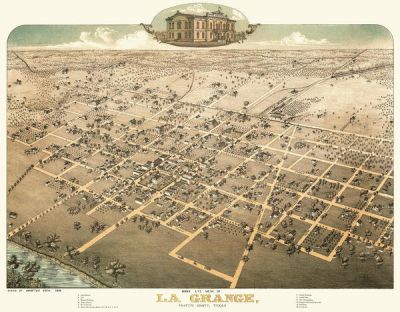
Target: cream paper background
[{"x": 15, "y": 13}]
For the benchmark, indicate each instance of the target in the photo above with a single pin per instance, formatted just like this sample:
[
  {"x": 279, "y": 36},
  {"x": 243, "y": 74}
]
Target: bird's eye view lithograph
[{"x": 200, "y": 150}]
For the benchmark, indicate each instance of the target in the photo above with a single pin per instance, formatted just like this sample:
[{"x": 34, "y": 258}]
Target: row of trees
[
  {"x": 13, "y": 186},
  {"x": 114, "y": 268}
]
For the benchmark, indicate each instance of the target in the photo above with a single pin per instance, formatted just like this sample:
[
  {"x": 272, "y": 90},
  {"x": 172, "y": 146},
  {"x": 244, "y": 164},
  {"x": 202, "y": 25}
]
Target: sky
[{"x": 267, "y": 36}]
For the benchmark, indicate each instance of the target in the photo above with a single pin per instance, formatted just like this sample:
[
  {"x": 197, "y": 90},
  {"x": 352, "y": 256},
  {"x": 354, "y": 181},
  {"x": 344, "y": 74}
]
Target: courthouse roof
[{"x": 217, "y": 14}]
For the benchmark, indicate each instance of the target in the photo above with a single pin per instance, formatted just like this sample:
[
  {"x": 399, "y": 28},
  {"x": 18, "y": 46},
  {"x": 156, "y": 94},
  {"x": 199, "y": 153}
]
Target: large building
[{"x": 213, "y": 28}]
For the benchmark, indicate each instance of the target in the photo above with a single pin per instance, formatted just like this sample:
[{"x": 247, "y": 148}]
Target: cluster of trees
[
  {"x": 115, "y": 269},
  {"x": 22, "y": 275},
  {"x": 97, "y": 227}
]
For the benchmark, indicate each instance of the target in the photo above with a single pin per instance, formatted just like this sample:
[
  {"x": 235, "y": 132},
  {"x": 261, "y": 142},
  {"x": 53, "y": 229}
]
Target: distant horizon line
[{"x": 46, "y": 48}]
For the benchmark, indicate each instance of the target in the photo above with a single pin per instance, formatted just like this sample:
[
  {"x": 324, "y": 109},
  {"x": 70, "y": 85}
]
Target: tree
[
  {"x": 30, "y": 269},
  {"x": 115, "y": 269},
  {"x": 77, "y": 225},
  {"x": 97, "y": 227},
  {"x": 51, "y": 242},
  {"x": 27, "y": 236},
  {"x": 13, "y": 262},
  {"x": 38, "y": 244},
  {"x": 73, "y": 210},
  {"x": 71, "y": 252}
]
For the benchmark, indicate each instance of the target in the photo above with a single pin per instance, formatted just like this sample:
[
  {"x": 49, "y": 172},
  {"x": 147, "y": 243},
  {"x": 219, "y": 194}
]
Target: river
[{"x": 52, "y": 274}]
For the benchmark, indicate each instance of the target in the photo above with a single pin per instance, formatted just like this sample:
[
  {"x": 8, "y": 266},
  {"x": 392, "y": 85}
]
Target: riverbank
[{"x": 91, "y": 281}]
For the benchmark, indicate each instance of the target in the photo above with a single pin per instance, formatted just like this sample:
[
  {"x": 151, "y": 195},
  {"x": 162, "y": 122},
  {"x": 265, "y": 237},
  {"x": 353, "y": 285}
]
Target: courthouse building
[{"x": 213, "y": 28}]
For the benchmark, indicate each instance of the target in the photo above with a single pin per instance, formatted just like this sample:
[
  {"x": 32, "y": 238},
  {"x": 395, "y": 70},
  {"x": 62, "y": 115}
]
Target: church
[{"x": 211, "y": 29}]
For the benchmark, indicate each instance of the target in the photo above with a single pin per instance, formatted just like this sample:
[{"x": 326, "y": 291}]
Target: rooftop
[{"x": 217, "y": 13}]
